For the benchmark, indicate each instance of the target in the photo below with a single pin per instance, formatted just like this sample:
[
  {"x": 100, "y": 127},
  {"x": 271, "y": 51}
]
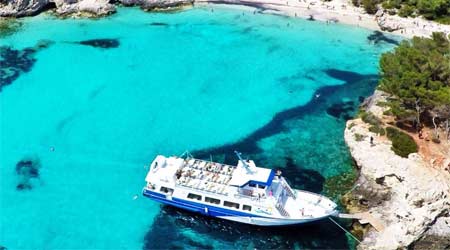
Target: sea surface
[{"x": 81, "y": 118}]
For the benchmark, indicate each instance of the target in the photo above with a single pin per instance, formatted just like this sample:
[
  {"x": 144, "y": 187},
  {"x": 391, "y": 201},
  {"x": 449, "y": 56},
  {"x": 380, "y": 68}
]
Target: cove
[{"x": 92, "y": 115}]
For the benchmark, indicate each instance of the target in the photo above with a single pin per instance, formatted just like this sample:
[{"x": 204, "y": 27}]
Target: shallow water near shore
[{"x": 99, "y": 99}]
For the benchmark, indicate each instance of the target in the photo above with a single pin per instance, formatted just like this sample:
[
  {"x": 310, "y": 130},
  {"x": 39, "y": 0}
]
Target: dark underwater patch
[
  {"x": 273, "y": 48},
  {"x": 342, "y": 110},
  {"x": 159, "y": 24},
  {"x": 301, "y": 178},
  {"x": 328, "y": 94},
  {"x": 15, "y": 62},
  {"x": 9, "y": 27},
  {"x": 26, "y": 169},
  {"x": 377, "y": 37},
  {"x": 344, "y": 75},
  {"x": 291, "y": 78},
  {"x": 311, "y": 18},
  {"x": 170, "y": 226},
  {"x": 106, "y": 43},
  {"x": 65, "y": 121}
]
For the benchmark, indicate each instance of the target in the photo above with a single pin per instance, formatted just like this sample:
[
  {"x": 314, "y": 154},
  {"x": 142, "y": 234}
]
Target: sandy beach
[{"x": 343, "y": 12}]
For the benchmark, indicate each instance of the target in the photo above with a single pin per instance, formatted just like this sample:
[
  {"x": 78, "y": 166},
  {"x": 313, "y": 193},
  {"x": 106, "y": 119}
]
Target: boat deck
[{"x": 205, "y": 176}]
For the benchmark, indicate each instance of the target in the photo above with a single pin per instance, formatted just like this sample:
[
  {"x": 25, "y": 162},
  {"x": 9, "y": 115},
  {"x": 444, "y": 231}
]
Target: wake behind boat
[{"x": 243, "y": 193}]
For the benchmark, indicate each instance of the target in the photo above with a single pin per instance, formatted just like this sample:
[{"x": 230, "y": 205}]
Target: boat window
[
  {"x": 212, "y": 200},
  {"x": 247, "y": 207},
  {"x": 194, "y": 196},
  {"x": 231, "y": 204},
  {"x": 252, "y": 185},
  {"x": 261, "y": 186},
  {"x": 166, "y": 190}
]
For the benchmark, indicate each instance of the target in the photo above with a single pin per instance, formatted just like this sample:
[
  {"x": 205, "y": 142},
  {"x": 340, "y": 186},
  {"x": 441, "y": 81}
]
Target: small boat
[{"x": 244, "y": 193}]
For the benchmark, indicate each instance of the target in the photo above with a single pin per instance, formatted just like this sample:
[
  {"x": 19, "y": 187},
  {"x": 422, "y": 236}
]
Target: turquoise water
[{"x": 199, "y": 80}]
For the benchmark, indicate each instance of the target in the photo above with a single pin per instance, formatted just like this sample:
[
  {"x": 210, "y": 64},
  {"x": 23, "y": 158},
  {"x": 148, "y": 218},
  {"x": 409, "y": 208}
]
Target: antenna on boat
[
  {"x": 187, "y": 153},
  {"x": 242, "y": 160}
]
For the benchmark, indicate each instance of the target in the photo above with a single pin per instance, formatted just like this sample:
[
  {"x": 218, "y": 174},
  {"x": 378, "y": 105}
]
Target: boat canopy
[{"x": 248, "y": 173}]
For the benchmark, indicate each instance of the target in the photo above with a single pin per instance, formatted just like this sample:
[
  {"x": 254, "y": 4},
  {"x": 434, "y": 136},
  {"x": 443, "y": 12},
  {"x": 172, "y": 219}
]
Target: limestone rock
[
  {"x": 437, "y": 237},
  {"x": 150, "y": 5},
  {"x": 387, "y": 24},
  {"x": 92, "y": 8},
  {"x": 406, "y": 194},
  {"x": 20, "y": 8}
]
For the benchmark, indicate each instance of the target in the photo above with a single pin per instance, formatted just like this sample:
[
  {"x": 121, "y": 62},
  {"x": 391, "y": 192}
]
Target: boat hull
[{"x": 224, "y": 214}]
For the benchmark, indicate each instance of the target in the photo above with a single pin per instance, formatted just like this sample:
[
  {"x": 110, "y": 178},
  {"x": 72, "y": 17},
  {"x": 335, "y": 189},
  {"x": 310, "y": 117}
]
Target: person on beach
[{"x": 371, "y": 140}]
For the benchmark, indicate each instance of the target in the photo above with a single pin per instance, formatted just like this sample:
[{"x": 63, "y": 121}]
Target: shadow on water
[
  {"x": 174, "y": 229},
  {"x": 378, "y": 37},
  {"x": 105, "y": 43},
  {"x": 177, "y": 229},
  {"x": 324, "y": 98}
]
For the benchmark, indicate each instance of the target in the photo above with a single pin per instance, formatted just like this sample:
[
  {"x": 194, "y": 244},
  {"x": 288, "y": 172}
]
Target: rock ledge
[{"x": 406, "y": 194}]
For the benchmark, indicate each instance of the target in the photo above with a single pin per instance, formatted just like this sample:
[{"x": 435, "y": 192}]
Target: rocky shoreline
[
  {"x": 83, "y": 8},
  {"x": 410, "y": 196}
]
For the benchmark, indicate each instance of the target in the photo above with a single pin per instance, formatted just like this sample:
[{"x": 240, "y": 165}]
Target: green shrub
[
  {"x": 377, "y": 130},
  {"x": 443, "y": 20},
  {"x": 402, "y": 144},
  {"x": 359, "y": 137},
  {"x": 370, "y": 6},
  {"x": 382, "y": 104},
  {"x": 406, "y": 11},
  {"x": 370, "y": 118}
]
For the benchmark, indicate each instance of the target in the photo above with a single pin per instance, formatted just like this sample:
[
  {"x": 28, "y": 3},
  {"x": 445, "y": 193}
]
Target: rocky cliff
[
  {"x": 408, "y": 195},
  {"x": 20, "y": 8},
  {"x": 90, "y": 8}
]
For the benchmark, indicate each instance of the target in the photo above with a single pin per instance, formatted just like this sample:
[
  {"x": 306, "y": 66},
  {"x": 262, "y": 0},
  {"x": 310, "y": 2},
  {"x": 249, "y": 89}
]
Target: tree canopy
[
  {"x": 417, "y": 75},
  {"x": 438, "y": 10}
]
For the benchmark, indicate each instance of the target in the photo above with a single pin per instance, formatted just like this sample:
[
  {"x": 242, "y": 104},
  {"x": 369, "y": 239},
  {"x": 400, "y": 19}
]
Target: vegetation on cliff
[
  {"x": 402, "y": 144},
  {"x": 438, "y": 10},
  {"x": 417, "y": 76}
]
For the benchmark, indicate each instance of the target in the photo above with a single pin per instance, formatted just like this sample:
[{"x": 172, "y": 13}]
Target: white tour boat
[{"x": 243, "y": 193}]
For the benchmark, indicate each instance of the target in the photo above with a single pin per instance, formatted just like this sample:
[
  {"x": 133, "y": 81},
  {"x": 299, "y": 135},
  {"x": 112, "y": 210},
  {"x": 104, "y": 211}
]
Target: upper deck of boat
[{"x": 205, "y": 176}]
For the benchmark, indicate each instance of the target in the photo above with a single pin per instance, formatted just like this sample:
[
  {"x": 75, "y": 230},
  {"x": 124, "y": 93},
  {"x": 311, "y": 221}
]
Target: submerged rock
[
  {"x": 343, "y": 110},
  {"x": 26, "y": 169},
  {"x": 15, "y": 62},
  {"x": 9, "y": 26},
  {"x": 101, "y": 43}
]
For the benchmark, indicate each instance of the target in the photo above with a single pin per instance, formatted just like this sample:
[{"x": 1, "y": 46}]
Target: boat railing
[
  {"x": 282, "y": 210},
  {"x": 251, "y": 197},
  {"x": 287, "y": 187}
]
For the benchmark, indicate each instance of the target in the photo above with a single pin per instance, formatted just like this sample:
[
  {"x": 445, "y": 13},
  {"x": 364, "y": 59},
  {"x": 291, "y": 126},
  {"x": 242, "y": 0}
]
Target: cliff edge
[{"x": 408, "y": 195}]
